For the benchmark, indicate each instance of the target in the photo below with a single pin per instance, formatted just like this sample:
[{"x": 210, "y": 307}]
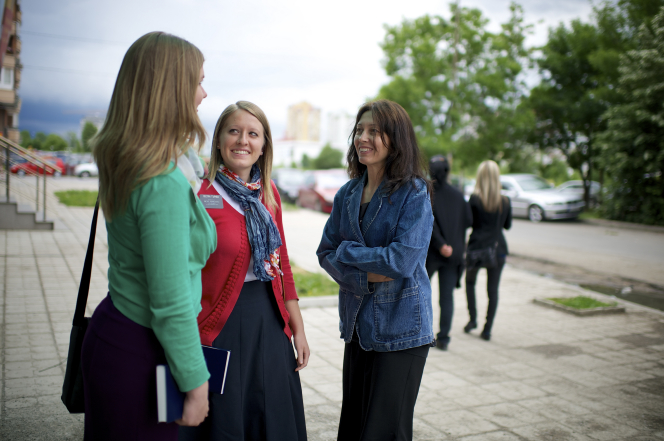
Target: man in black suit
[{"x": 452, "y": 216}]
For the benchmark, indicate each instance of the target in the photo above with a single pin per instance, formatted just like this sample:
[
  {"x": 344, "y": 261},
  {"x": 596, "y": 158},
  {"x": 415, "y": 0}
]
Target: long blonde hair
[
  {"x": 264, "y": 161},
  {"x": 488, "y": 186},
  {"x": 151, "y": 119}
]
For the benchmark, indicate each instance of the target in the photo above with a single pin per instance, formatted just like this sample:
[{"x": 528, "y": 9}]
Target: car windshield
[
  {"x": 331, "y": 181},
  {"x": 531, "y": 183}
]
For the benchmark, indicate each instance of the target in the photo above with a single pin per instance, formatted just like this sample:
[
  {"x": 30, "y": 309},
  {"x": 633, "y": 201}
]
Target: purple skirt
[{"x": 118, "y": 360}]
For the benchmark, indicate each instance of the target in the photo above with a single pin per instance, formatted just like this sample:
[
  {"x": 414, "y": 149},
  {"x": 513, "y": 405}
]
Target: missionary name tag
[{"x": 212, "y": 201}]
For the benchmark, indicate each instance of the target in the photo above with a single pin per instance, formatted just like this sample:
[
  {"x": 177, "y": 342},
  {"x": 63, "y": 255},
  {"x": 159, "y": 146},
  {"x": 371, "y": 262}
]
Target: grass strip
[
  {"x": 582, "y": 302},
  {"x": 77, "y": 198},
  {"x": 313, "y": 284}
]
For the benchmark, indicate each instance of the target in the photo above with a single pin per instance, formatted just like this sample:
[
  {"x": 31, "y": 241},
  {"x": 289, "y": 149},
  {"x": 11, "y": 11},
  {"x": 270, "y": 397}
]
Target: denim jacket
[{"x": 392, "y": 241}]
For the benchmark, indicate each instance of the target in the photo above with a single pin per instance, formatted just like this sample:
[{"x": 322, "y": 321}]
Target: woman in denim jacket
[{"x": 375, "y": 246}]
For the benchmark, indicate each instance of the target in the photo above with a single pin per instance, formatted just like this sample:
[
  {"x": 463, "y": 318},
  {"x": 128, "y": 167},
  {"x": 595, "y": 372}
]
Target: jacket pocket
[{"x": 397, "y": 315}]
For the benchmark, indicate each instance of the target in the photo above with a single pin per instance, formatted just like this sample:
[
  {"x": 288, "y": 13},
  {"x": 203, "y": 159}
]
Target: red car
[
  {"x": 320, "y": 187},
  {"x": 28, "y": 168}
]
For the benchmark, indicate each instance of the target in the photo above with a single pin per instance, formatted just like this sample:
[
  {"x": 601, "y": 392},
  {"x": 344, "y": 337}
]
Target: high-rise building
[
  {"x": 339, "y": 126},
  {"x": 303, "y": 122},
  {"x": 10, "y": 73}
]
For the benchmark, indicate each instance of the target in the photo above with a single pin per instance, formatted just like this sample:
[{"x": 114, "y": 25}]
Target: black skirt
[{"x": 262, "y": 397}]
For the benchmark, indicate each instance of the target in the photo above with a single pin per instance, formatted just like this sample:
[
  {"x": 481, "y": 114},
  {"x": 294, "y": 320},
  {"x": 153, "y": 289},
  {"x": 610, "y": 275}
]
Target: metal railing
[{"x": 23, "y": 162}]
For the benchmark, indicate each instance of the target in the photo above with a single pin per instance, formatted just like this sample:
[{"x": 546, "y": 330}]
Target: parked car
[
  {"x": 532, "y": 197},
  {"x": 576, "y": 187},
  {"x": 288, "y": 182},
  {"x": 320, "y": 187},
  {"x": 86, "y": 170},
  {"x": 28, "y": 168}
]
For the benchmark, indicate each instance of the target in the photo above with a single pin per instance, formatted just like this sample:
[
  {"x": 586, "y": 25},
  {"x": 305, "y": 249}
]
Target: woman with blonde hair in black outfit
[{"x": 491, "y": 213}]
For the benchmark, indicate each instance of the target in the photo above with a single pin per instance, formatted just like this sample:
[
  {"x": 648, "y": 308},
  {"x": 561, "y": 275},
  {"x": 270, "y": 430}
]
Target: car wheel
[
  {"x": 20, "y": 172},
  {"x": 535, "y": 213},
  {"x": 318, "y": 206},
  {"x": 57, "y": 174},
  {"x": 85, "y": 174}
]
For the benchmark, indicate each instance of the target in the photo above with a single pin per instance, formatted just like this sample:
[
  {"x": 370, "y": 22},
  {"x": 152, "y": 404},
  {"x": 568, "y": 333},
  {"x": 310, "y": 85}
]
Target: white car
[
  {"x": 86, "y": 170},
  {"x": 533, "y": 197}
]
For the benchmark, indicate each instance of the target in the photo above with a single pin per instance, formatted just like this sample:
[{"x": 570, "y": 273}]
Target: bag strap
[{"x": 84, "y": 287}]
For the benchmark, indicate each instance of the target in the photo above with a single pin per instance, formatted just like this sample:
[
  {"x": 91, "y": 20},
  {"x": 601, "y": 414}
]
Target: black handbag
[
  {"x": 72, "y": 388},
  {"x": 482, "y": 258}
]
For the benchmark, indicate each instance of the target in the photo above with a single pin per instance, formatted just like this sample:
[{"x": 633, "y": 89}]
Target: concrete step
[{"x": 13, "y": 218}]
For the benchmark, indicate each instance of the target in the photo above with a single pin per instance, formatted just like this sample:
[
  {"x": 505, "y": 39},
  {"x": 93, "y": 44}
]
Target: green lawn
[
  {"x": 590, "y": 214},
  {"x": 582, "y": 302},
  {"x": 77, "y": 198},
  {"x": 312, "y": 284}
]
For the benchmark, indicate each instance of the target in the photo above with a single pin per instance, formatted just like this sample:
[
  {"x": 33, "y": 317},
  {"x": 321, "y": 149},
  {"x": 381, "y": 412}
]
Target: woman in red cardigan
[{"x": 250, "y": 306}]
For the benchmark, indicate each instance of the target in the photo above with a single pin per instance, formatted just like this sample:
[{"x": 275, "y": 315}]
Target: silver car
[{"x": 533, "y": 197}]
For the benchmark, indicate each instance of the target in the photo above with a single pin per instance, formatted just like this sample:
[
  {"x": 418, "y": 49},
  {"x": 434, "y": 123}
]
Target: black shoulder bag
[{"x": 72, "y": 388}]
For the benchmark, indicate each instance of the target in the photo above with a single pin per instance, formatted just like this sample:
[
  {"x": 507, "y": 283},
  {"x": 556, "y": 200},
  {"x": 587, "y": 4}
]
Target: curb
[
  {"x": 624, "y": 225},
  {"x": 318, "y": 302},
  {"x": 606, "y": 310}
]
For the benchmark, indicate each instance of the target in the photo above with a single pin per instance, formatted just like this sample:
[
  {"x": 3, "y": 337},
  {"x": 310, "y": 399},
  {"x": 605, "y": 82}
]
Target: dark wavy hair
[{"x": 404, "y": 163}]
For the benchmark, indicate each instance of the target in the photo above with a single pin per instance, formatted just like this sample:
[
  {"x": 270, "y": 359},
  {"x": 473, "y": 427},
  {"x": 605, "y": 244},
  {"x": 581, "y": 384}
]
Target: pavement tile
[
  {"x": 509, "y": 414},
  {"x": 519, "y": 371},
  {"x": 424, "y": 431},
  {"x": 492, "y": 436},
  {"x": 553, "y": 408},
  {"x": 18, "y": 403},
  {"x": 599, "y": 427},
  {"x": 459, "y": 423},
  {"x": 548, "y": 432},
  {"x": 514, "y": 390}
]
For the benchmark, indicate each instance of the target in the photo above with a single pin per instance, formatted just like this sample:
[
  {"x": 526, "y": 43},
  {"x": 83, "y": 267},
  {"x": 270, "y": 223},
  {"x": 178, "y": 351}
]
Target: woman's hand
[
  {"x": 446, "y": 251},
  {"x": 302, "y": 349},
  {"x": 196, "y": 406},
  {"x": 377, "y": 278}
]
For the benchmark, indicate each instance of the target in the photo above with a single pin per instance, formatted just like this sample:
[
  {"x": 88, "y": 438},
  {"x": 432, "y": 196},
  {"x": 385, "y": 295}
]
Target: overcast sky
[{"x": 271, "y": 52}]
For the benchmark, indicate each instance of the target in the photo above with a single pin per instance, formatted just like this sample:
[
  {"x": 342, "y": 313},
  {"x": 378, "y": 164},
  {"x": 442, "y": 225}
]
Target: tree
[
  {"x": 54, "y": 143},
  {"x": 43, "y": 142},
  {"x": 328, "y": 158},
  {"x": 306, "y": 161},
  {"x": 579, "y": 68},
  {"x": 632, "y": 147},
  {"x": 460, "y": 84},
  {"x": 89, "y": 131},
  {"x": 74, "y": 142}
]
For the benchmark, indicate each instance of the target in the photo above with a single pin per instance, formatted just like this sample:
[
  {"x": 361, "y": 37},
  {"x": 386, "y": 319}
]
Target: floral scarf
[
  {"x": 191, "y": 168},
  {"x": 263, "y": 234}
]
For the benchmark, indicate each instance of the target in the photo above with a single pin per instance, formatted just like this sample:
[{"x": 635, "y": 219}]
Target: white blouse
[{"x": 250, "y": 277}]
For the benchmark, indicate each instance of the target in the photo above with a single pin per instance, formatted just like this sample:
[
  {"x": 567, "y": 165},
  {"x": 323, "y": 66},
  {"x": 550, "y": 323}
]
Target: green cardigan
[{"x": 156, "y": 251}]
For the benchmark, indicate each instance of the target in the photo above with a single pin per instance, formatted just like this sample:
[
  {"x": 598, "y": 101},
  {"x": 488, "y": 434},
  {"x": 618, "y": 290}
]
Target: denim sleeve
[
  {"x": 348, "y": 277},
  {"x": 408, "y": 248}
]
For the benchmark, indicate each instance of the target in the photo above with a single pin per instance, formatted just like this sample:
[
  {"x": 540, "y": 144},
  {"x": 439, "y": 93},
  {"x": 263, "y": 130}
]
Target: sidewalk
[{"x": 544, "y": 375}]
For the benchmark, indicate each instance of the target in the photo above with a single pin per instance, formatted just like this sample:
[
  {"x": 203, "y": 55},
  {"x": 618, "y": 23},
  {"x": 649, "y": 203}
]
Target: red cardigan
[{"x": 224, "y": 272}]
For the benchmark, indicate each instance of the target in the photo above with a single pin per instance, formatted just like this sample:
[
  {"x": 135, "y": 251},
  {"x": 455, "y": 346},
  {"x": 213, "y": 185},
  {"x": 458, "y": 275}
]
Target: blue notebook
[{"x": 170, "y": 401}]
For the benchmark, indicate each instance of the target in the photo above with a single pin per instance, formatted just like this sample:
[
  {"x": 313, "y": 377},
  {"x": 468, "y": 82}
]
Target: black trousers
[
  {"x": 447, "y": 280},
  {"x": 493, "y": 279},
  {"x": 379, "y": 393}
]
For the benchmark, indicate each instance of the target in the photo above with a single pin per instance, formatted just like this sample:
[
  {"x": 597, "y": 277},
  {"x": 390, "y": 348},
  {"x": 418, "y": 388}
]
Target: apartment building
[{"x": 10, "y": 73}]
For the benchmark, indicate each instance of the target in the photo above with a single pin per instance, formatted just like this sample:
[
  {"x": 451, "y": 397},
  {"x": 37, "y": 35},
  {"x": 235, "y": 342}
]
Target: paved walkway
[{"x": 545, "y": 375}]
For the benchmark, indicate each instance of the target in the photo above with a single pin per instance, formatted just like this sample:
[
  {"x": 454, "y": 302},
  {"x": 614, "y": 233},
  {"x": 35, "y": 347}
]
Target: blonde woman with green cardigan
[{"x": 159, "y": 238}]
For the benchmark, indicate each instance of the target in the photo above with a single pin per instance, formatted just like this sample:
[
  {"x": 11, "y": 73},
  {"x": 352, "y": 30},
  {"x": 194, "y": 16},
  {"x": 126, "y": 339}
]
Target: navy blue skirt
[
  {"x": 118, "y": 360},
  {"x": 262, "y": 397}
]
